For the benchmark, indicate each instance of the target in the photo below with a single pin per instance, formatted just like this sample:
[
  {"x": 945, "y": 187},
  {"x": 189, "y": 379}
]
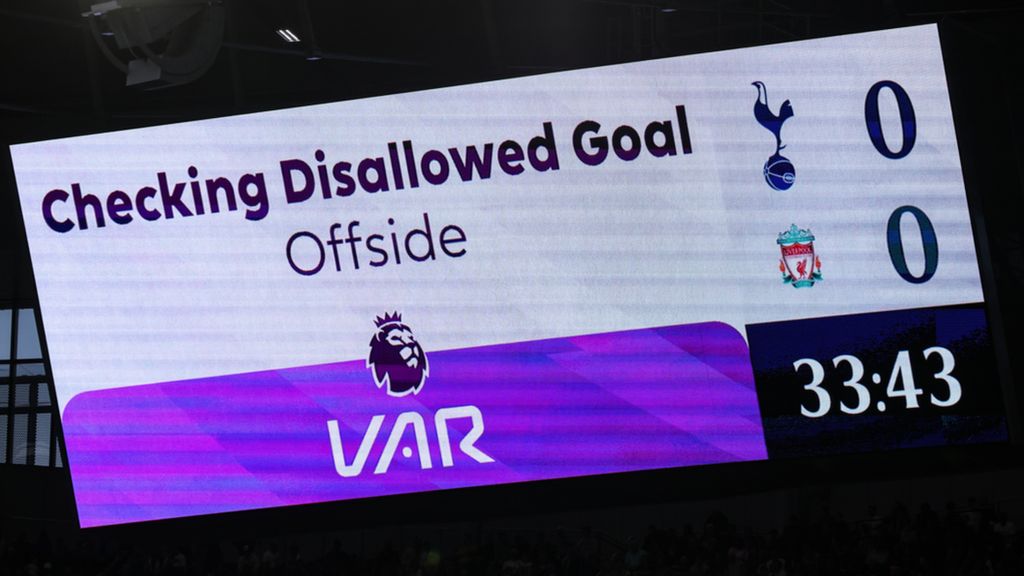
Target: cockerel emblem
[
  {"x": 396, "y": 358},
  {"x": 779, "y": 172},
  {"x": 799, "y": 265}
]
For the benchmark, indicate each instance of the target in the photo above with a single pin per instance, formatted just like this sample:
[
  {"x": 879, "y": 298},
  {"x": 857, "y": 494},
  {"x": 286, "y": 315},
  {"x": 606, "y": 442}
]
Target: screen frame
[{"x": 706, "y": 481}]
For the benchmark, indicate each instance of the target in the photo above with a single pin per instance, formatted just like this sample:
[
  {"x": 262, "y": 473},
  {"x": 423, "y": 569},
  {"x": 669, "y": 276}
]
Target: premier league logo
[
  {"x": 398, "y": 362},
  {"x": 779, "y": 172},
  {"x": 396, "y": 359},
  {"x": 799, "y": 265}
]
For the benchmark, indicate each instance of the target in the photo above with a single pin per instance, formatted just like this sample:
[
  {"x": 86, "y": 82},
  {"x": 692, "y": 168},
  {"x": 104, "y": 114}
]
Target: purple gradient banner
[{"x": 596, "y": 404}]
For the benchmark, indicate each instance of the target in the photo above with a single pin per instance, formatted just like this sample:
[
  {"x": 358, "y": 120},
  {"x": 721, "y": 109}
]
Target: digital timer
[
  {"x": 875, "y": 381},
  {"x": 901, "y": 383}
]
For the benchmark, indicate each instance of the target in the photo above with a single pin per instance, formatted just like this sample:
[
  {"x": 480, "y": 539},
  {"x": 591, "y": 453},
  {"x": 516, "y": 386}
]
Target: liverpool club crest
[{"x": 799, "y": 265}]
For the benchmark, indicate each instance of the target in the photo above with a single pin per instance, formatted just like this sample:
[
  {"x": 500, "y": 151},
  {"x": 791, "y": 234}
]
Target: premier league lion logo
[{"x": 396, "y": 359}]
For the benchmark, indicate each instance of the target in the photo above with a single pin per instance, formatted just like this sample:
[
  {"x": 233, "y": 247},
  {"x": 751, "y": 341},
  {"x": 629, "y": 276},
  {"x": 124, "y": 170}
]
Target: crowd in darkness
[{"x": 966, "y": 540}]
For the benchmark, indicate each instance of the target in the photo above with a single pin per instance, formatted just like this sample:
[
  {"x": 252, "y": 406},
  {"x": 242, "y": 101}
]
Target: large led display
[{"x": 725, "y": 257}]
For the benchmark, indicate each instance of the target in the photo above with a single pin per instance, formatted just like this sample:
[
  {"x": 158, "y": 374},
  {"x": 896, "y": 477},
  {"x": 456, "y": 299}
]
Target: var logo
[
  {"x": 398, "y": 364},
  {"x": 404, "y": 420}
]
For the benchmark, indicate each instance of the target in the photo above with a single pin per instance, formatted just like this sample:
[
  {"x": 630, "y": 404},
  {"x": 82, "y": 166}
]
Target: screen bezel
[{"x": 658, "y": 485}]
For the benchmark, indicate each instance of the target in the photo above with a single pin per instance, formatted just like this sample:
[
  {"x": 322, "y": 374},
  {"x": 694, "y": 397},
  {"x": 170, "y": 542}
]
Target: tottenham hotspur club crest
[
  {"x": 396, "y": 359},
  {"x": 778, "y": 170}
]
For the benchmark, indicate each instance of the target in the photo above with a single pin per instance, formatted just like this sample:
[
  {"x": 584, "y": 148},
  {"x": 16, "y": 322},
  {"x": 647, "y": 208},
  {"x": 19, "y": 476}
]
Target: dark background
[{"x": 55, "y": 82}]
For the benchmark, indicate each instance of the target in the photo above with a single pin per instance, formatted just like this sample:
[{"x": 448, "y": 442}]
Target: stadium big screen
[{"x": 745, "y": 255}]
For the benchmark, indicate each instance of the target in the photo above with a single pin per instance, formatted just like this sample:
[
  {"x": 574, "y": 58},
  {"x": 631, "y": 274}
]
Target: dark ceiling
[{"x": 53, "y": 68}]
